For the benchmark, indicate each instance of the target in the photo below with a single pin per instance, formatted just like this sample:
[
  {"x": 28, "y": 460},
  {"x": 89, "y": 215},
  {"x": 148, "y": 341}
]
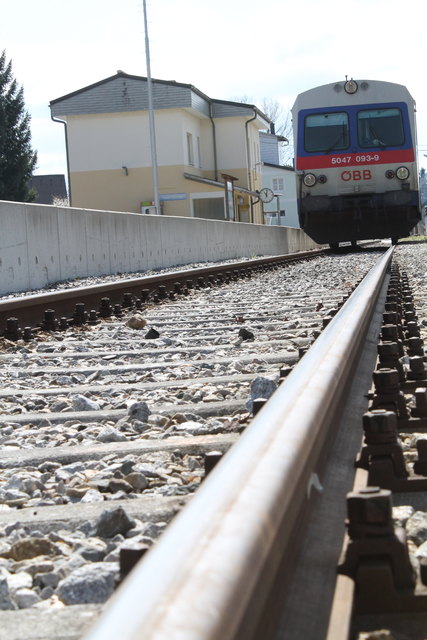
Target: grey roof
[{"x": 125, "y": 92}]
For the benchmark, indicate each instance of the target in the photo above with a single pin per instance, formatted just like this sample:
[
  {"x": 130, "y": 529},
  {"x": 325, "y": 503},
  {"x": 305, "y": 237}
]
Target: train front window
[
  {"x": 380, "y": 128},
  {"x": 324, "y": 132}
]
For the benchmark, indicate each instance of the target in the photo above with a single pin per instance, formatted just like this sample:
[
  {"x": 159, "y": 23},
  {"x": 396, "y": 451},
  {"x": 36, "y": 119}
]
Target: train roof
[{"x": 365, "y": 92}]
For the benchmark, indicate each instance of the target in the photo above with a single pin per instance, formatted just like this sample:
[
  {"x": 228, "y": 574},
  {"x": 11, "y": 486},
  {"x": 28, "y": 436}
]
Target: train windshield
[
  {"x": 380, "y": 128},
  {"x": 326, "y": 132}
]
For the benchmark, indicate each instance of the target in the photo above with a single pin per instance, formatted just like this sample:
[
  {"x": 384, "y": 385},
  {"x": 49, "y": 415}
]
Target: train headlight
[
  {"x": 389, "y": 174},
  {"x": 402, "y": 173},
  {"x": 309, "y": 180},
  {"x": 322, "y": 179},
  {"x": 351, "y": 86}
]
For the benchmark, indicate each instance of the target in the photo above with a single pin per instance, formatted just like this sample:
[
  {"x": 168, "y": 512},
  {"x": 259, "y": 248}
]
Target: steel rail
[
  {"x": 28, "y": 309},
  {"x": 209, "y": 575}
]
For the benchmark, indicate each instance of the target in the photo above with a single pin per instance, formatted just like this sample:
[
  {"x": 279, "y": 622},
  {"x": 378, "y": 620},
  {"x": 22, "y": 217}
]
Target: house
[
  {"x": 282, "y": 209},
  {"x": 50, "y": 188},
  {"x": 208, "y": 150}
]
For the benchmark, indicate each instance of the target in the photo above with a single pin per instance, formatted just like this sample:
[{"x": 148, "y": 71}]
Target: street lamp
[{"x": 151, "y": 117}]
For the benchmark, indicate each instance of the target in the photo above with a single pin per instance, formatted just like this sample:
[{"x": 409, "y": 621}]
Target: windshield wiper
[
  {"x": 342, "y": 136},
  {"x": 375, "y": 139}
]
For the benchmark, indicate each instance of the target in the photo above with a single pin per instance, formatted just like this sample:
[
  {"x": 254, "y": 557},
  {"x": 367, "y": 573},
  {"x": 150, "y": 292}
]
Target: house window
[
  {"x": 190, "y": 151},
  {"x": 278, "y": 185}
]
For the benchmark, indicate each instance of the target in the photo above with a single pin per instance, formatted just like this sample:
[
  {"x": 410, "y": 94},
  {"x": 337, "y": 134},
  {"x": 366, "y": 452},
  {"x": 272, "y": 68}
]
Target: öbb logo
[{"x": 356, "y": 175}]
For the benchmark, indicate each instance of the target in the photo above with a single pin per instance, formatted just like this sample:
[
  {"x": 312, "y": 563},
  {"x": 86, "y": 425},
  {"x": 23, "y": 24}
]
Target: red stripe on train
[{"x": 355, "y": 159}]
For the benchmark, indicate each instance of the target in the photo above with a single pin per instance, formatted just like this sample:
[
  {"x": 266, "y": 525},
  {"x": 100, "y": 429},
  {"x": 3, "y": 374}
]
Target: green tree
[{"x": 17, "y": 158}]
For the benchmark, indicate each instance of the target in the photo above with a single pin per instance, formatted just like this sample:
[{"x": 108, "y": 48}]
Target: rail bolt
[
  {"x": 417, "y": 369},
  {"x": 380, "y": 426},
  {"x": 63, "y": 323},
  {"x": 12, "y": 332},
  {"x": 257, "y": 405},
  {"x": 49, "y": 321},
  {"x": 415, "y": 346},
  {"x": 79, "y": 315},
  {"x": 369, "y": 513},
  {"x": 410, "y": 316},
  {"x": 145, "y": 294},
  {"x": 412, "y": 330},
  {"x": 211, "y": 459},
  {"x": 391, "y": 306},
  {"x": 388, "y": 351},
  {"x": 388, "y": 355},
  {"x": 390, "y": 317},
  {"x": 127, "y": 301},
  {"x": 105, "y": 308},
  {"x": 389, "y": 333},
  {"x": 128, "y": 558},
  {"x": 284, "y": 371},
  {"x": 93, "y": 317},
  {"x": 162, "y": 291},
  {"x": 386, "y": 381},
  {"x": 28, "y": 334},
  {"x": 420, "y": 410}
]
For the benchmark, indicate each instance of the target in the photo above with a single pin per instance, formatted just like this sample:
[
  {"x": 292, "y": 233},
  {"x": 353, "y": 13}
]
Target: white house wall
[
  {"x": 230, "y": 145},
  {"x": 287, "y": 201},
  {"x": 109, "y": 141},
  {"x": 207, "y": 148}
]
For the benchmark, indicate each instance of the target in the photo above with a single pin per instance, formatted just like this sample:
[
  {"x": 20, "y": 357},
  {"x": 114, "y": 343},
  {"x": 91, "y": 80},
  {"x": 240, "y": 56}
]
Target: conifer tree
[{"x": 17, "y": 158}]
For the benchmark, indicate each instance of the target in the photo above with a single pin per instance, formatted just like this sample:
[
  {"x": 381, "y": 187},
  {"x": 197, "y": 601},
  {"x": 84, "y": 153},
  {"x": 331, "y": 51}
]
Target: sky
[{"x": 229, "y": 49}]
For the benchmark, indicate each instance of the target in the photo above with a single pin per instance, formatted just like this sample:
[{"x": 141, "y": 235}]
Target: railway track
[{"x": 108, "y": 431}]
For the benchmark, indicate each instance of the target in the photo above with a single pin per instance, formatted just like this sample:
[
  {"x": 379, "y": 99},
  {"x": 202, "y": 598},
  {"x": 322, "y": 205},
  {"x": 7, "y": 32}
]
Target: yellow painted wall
[{"x": 116, "y": 191}]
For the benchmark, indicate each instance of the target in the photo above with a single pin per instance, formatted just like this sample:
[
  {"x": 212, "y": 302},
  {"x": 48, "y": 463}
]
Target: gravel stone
[
  {"x": 92, "y": 496},
  {"x": 25, "y": 598},
  {"x": 110, "y": 434},
  {"x": 416, "y": 527},
  {"x": 81, "y": 403},
  {"x": 138, "y": 481},
  {"x": 139, "y": 411},
  {"x": 5, "y": 597},
  {"x": 31, "y": 548},
  {"x": 261, "y": 387},
  {"x": 113, "y": 521},
  {"x": 137, "y": 321},
  {"x": 88, "y": 584}
]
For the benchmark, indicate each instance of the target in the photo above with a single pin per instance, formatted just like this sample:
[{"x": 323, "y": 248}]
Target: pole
[{"x": 151, "y": 116}]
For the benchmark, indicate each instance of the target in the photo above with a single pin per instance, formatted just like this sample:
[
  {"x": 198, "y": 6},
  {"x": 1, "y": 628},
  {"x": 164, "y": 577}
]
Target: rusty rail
[
  {"x": 209, "y": 577},
  {"x": 29, "y": 309}
]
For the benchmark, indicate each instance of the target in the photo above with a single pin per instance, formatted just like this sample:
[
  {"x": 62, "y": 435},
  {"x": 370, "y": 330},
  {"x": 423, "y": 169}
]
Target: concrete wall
[{"x": 43, "y": 244}]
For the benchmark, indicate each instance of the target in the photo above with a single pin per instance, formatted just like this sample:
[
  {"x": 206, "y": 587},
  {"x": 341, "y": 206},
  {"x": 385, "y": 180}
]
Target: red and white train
[{"x": 355, "y": 159}]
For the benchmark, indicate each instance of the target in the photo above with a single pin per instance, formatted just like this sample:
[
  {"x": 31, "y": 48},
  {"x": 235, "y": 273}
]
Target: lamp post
[{"x": 151, "y": 117}]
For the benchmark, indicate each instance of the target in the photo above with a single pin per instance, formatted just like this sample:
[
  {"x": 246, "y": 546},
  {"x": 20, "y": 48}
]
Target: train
[{"x": 356, "y": 161}]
